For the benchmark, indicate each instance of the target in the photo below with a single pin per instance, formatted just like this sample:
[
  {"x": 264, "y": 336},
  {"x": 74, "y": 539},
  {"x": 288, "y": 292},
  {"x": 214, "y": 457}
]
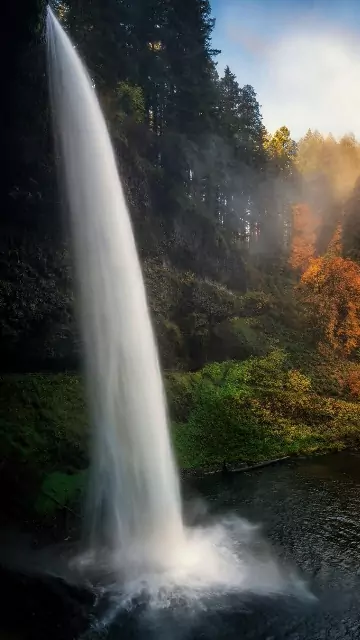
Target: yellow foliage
[
  {"x": 297, "y": 382},
  {"x": 339, "y": 160}
]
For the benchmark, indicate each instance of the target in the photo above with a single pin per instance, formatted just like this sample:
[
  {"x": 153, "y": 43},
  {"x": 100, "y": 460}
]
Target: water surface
[
  {"x": 308, "y": 510},
  {"x": 309, "y": 513}
]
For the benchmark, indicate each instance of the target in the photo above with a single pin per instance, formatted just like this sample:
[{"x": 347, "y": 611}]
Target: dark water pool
[{"x": 309, "y": 514}]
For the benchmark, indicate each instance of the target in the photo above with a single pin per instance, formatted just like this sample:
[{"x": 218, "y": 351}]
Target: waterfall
[
  {"x": 133, "y": 502},
  {"x": 133, "y": 529}
]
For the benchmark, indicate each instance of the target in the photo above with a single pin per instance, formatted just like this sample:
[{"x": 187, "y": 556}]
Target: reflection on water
[{"x": 308, "y": 511}]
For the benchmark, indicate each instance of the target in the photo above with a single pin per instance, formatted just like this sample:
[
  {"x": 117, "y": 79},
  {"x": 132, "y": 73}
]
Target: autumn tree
[
  {"x": 351, "y": 227},
  {"x": 282, "y": 150},
  {"x": 331, "y": 288},
  {"x": 329, "y": 169},
  {"x": 335, "y": 246},
  {"x": 303, "y": 237}
]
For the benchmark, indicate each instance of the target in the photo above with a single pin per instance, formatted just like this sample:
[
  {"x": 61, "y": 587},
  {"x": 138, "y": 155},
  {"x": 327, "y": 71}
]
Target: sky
[{"x": 301, "y": 56}]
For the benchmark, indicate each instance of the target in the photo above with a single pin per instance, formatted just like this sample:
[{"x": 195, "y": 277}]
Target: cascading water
[
  {"x": 133, "y": 521},
  {"x": 133, "y": 498}
]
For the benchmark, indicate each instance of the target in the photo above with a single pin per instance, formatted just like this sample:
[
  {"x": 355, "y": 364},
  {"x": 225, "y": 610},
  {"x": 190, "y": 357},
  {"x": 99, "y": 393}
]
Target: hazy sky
[{"x": 301, "y": 56}]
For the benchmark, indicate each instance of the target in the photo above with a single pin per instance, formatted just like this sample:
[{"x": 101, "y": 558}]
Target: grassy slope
[
  {"x": 256, "y": 410},
  {"x": 234, "y": 412}
]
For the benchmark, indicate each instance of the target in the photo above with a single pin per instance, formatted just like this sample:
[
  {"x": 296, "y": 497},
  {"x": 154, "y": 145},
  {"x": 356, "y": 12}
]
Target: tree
[
  {"x": 351, "y": 226},
  {"x": 328, "y": 169},
  {"x": 203, "y": 177},
  {"x": 278, "y": 191},
  {"x": 335, "y": 248},
  {"x": 241, "y": 158},
  {"x": 303, "y": 237},
  {"x": 310, "y": 149},
  {"x": 331, "y": 288},
  {"x": 282, "y": 151}
]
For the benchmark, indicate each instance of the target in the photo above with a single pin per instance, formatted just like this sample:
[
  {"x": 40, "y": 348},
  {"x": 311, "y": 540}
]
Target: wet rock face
[{"x": 39, "y": 607}]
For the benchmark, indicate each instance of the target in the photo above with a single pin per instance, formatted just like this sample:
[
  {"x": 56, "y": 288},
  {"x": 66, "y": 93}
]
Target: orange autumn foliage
[
  {"x": 331, "y": 287},
  {"x": 335, "y": 244},
  {"x": 303, "y": 237},
  {"x": 353, "y": 383}
]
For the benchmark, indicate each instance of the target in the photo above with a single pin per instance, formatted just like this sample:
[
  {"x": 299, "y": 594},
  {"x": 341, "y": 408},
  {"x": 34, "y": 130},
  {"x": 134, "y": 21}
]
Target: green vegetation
[
  {"x": 257, "y": 410},
  {"x": 234, "y": 412},
  {"x": 43, "y": 441},
  {"x": 42, "y": 421},
  {"x": 249, "y": 243}
]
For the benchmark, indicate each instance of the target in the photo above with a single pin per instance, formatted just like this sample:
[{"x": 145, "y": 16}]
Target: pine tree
[{"x": 282, "y": 151}]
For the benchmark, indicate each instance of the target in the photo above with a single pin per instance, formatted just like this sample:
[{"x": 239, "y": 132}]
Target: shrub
[
  {"x": 222, "y": 427},
  {"x": 230, "y": 374},
  {"x": 43, "y": 421},
  {"x": 180, "y": 391},
  {"x": 297, "y": 382},
  {"x": 254, "y": 303},
  {"x": 260, "y": 409},
  {"x": 268, "y": 372}
]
